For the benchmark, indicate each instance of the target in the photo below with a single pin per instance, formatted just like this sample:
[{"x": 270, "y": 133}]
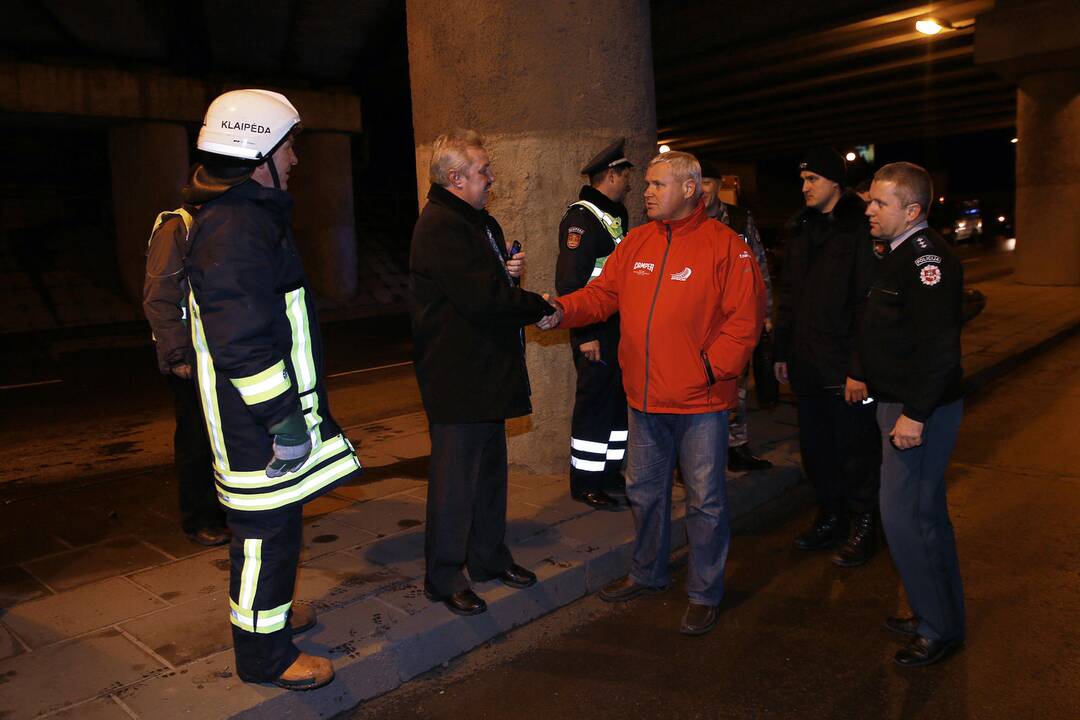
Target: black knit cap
[
  {"x": 710, "y": 169},
  {"x": 825, "y": 162}
]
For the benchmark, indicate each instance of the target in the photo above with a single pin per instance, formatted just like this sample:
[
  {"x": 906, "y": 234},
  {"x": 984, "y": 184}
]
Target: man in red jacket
[{"x": 691, "y": 303}]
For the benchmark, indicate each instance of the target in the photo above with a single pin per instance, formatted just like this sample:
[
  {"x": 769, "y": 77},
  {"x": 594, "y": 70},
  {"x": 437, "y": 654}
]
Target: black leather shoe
[
  {"x": 465, "y": 602},
  {"x": 516, "y": 576},
  {"x": 903, "y": 625},
  {"x": 861, "y": 544},
  {"x": 210, "y": 537},
  {"x": 741, "y": 459},
  {"x": 699, "y": 619},
  {"x": 627, "y": 589},
  {"x": 924, "y": 651},
  {"x": 599, "y": 500},
  {"x": 828, "y": 531}
]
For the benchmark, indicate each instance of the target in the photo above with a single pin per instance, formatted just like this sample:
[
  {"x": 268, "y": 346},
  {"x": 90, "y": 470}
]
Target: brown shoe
[
  {"x": 699, "y": 619},
  {"x": 306, "y": 673},
  {"x": 301, "y": 618}
]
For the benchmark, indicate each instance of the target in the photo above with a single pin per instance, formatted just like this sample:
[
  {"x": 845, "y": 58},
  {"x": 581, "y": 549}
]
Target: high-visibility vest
[{"x": 614, "y": 227}]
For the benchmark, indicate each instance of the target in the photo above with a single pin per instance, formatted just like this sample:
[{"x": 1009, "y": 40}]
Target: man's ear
[
  {"x": 689, "y": 188},
  {"x": 913, "y": 211}
]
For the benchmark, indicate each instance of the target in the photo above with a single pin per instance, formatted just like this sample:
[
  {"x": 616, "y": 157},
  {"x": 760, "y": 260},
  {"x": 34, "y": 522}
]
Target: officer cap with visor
[{"x": 613, "y": 156}]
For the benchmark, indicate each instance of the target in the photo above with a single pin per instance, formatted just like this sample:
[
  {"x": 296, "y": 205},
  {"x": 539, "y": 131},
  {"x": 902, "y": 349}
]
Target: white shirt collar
[{"x": 921, "y": 225}]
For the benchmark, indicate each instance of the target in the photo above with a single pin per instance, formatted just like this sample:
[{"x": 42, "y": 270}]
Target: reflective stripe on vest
[{"x": 612, "y": 224}]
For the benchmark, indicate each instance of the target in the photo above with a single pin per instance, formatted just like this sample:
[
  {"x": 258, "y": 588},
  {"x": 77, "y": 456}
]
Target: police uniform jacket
[
  {"x": 910, "y": 331},
  {"x": 467, "y": 315},
  {"x": 259, "y": 354},
  {"x": 828, "y": 263},
  {"x": 582, "y": 240}
]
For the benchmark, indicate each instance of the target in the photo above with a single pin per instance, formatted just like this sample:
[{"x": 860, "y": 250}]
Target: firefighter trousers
[{"x": 264, "y": 556}]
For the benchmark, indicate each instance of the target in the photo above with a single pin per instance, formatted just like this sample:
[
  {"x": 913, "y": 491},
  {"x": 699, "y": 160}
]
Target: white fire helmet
[{"x": 247, "y": 124}]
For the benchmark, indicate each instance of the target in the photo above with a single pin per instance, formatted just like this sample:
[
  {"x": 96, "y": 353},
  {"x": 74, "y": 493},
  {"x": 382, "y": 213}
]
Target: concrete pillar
[
  {"x": 321, "y": 185},
  {"x": 548, "y": 85},
  {"x": 1048, "y": 179},
  {"x": 1035, "y": 44},
  {"x": 149, "y": 163}
]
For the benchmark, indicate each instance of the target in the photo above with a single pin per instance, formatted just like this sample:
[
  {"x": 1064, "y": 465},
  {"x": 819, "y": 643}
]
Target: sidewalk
[{"x": 135, "y": 625}]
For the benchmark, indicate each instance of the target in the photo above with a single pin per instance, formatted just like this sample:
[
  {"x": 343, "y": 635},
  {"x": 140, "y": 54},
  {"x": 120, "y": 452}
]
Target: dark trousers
[
  {"x": 194, "y": 462},
  {"x": 841, "y": 452},
  {"x": 264, "y": 556},
  {"x": 466, "y": 506},
  {"x": 598, "y": 428},
  {"x": 915, "y": 516}
]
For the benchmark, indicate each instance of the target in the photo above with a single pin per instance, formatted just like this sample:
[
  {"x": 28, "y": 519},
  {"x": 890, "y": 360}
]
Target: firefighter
[
  {"x": 259, "y": 369},
  {"x": 590, "y": 230}
]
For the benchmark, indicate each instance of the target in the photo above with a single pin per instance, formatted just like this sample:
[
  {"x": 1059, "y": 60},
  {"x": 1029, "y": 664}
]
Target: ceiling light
[
  {"x": 1015, "y": 140},
  {"x": 850, "y": 157},
  {"x": 664, "y": 149},
  {"x": 931, "y": 26}
]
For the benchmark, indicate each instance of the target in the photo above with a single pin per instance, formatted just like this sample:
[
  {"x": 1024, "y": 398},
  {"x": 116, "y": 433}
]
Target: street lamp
[
  {"x": 664, "y": 149},
  {"x": 850, "y": 157},
  {"x": 933, "y": 26}
]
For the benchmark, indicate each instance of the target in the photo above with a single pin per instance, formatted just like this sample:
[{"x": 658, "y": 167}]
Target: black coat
[
  {"x": 467, "y": 315},
  {"x": 583, "y": 239},
  {"x": 828, "y": 263},
  {"x": 910, "y": 332}
]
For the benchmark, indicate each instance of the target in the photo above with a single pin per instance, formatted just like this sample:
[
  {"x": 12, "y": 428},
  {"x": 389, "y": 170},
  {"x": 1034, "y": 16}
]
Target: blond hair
[
  {"x": 684, "y": 166},
  {"x": 913, "y": 183},
  {"x": 450, "y": 153}
]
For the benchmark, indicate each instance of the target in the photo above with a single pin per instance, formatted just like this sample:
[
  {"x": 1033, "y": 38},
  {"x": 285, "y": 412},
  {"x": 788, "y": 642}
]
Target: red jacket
[{"x": 691, "y": 304}]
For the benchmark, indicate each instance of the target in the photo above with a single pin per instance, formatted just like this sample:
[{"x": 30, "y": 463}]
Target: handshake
[{"x": 550, "y": 322}]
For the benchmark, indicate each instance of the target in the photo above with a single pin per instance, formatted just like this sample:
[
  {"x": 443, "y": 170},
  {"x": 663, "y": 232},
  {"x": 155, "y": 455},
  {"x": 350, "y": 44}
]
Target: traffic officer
[
  {"x": 590, "y": 230},
  {"x": 259, "y": 367},
  {"x": 740, "y": 457},
  {"x": 910, "y": 347}
]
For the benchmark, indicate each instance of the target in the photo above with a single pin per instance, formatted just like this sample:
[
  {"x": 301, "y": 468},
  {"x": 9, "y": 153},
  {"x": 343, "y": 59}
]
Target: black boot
[
  {"x": 861, "y": 545},
  {"x": 828, "y": 531},
  {"x": 740, "y": 459}
]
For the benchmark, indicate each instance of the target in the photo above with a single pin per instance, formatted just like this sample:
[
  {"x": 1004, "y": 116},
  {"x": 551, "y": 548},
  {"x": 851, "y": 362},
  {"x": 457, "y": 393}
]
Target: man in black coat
[
  {"x": 827, "y": 266},
  {"x": 590, "y": 231},
  {"x": 467, "y": 317},
  {"x": 910, "y": 342}
]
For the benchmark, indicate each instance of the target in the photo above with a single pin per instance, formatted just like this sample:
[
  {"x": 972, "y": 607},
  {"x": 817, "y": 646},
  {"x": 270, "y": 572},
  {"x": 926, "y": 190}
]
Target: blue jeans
[{"x": 699, "y": 443}]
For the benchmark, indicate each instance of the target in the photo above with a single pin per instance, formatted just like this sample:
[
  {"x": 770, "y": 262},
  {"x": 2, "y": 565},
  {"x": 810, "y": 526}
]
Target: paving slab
[
  {"x": 385, "y": 516},
  {"x": 359, "y": 492},
  {"x": 17, "y": 586},
  {"x": 339, "y": 579},
  {"x": 94, "y": 665},
  {"x": 327, "y": 534},
  {"x": 97, "y": 562},
  {"x": 206, "y": 689},
  {"x": 186, "y": 579},
  {"x": 98, "y": 709},
  {"x": 404, "y": 553},
  {"x": 89, "y": 607},
  {"x": 187, "y": 632},
  {"x": 9, "y": 646}
]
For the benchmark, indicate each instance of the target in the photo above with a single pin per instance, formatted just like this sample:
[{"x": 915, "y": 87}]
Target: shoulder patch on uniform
[
  {"x": 920, "y": 261},
  {"x": 930, "y": 275},
  {"x": 573, "y": 237},
  {"x": 922, "y": 243}
]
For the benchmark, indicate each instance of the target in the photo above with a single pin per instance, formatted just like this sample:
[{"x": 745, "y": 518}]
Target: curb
[
  {"x": 572, "y": 559},
  {"x": 981, "y": 378}
]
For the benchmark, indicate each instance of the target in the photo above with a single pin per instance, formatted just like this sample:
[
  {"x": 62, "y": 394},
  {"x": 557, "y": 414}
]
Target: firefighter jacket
[
  {"x": 828, "y": 261},
  {"x": 467, "y": 315},
  {"x": 258, "y": 348},
  {"x": 910, "y": 332},
  {"x": 590, "y": 230},
  {"x": 691, "y": 305},
  {"x": 165, "y": 289}
]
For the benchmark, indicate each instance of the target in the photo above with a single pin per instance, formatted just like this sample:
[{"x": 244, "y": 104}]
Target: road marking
[
  {"x": 32, "y": 384},
  {"x": 370, "y": 369}
]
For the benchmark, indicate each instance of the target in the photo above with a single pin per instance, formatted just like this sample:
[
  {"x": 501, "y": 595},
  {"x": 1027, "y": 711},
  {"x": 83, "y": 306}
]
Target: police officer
[
  {"x": 910, "y": 347},
  {"x": 740, "y": 457},
  {"x": 260, "y": 374},
  {"x": 589, "y": 231}
]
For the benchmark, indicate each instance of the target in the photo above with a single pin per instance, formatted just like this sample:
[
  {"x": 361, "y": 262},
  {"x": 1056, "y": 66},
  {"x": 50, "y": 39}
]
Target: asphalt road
[{"x": 801, "y": 638}]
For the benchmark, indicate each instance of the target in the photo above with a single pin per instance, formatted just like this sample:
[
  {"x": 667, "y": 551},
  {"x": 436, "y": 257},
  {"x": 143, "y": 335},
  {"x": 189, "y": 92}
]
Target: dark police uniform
[
  {"x": 588, "y": 233},
  {"x": 910, "y": 349}
]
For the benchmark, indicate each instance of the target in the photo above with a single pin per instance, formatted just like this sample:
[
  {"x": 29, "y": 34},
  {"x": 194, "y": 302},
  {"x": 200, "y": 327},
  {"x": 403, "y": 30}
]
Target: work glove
[{"x": 291, "y": 446}]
